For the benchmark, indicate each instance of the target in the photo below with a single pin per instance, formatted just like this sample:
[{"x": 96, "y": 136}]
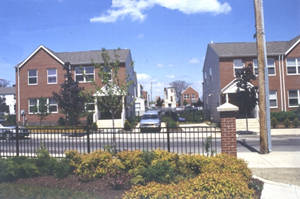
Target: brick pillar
[{"x": 228, "y": 128}]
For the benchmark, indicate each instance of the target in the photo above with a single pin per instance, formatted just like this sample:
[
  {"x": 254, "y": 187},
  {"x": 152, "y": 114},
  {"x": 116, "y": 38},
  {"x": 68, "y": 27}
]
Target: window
[
  {"x": 186, "y": 96},
  {"x": 107, "y": 73},
  {"x": 293, "y": 66},
  {"x": 238, "y": 65},
  {"x": 84, "y": 74},
  {"x": 52, "y": 76},
  {"x": 271, "y": 66},
  {"x": 53, "y": 107},
  {"x": 273, "y": 99},
  {"x": 33, "y": 106},
  {"x": 32, "y": 77},
  {"x": 294, "y": 98},
  {"x": 90, "y": 107}
]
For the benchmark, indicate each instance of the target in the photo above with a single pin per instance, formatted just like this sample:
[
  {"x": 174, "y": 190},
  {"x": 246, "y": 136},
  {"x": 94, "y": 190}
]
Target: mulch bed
[{"x": 98, "y": 187}]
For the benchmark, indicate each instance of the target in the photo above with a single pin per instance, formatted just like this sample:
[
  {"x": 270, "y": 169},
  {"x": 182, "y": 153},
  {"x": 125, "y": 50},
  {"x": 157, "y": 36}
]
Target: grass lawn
[{"x": 18, "y": 191}]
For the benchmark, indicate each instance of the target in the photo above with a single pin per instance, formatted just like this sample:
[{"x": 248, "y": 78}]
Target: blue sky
[{"x": 167, "y": 38}]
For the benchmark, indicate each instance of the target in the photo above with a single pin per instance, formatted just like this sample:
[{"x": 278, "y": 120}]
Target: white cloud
[
  {"x": 143, "y": 76},
  {"x": 135, "y": 8},
  {"x": 140, "y": 36},
  {"x": 194, "y": 60},
  {"x": 170, "y": 76},
  {"x": 159, "y": 65}
]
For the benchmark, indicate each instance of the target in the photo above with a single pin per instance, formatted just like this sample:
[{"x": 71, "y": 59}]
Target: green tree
[
  {"x": 112, "y": 91},
  {"x": 159, "y": 102},
  {"x": 42, "y": 109},
  {"x": 70, "y": 99},
  {"x": 3, "y": 106},
  {"x": 199, "y": 103},
  {"x": 246, "y": 92}
]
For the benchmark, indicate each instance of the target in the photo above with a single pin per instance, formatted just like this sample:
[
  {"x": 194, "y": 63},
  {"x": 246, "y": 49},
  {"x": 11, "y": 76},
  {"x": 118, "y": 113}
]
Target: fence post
[
  {"x": 228, "y": 128},
  {"x": 17, "y": 140},
  {"x": 88, "y": 139},
  {"x": 168, "y": 139}
]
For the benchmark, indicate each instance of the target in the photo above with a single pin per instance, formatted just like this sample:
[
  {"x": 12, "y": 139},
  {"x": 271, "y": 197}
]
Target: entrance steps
[{"x": 253, "y": 124}]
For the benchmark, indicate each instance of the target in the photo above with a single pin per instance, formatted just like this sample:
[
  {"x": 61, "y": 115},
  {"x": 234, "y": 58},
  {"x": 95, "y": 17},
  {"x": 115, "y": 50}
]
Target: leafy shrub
[
  {"x": 192, "y": 115},
  {"x": 44, "y": 162},
  {"x": 274, "y": 122},
  {"x": 132, "y": 159},
  {"x": 62, "y": 168},
  {"x": 61, "y": 121},
  {"x": 170, "y": 123},
  {"x": 127, "y": 125},
  {"x": 296, "y": 122},
  {"x": 287, "y": 123},
  {"x": 7, "y": 170},
  {"x": 206, "y": 185},
  {"x": 118, "y": 179},
  {"x": 74, "y": 159}
]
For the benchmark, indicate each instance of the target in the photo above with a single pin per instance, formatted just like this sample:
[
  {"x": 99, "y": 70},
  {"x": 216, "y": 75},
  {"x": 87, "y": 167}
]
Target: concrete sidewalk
[{"x": 280, "y": 171}]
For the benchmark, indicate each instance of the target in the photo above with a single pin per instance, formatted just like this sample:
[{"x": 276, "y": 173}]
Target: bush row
[{"x": 288, "y": 119}]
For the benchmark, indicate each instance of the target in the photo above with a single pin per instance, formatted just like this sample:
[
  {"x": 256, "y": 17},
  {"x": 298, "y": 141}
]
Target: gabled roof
[
  {"x": 187, "y": 89},
  {"x": 82, "y": 57},
  {"x": 248, "y": 49},
  {"x": 7, "y": 90},
  {"x": 231, "y": 87}
]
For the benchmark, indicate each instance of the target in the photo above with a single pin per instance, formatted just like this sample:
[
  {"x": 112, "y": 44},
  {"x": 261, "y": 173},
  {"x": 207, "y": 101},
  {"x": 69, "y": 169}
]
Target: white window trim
[
  {"x": 37, "y": 104},
  {"x": 274, "y": 99},
  {"x": 52, "y": 76},
  {"x": 48, "y": 102},
  {"x": 37, "y": 77},
  {"x": 84, "y": 74},
  {"x": 237, "y": 67},
  {"x": 298, "y": 97},
  {"x": 297, "y": 66},
  {"x": 254, "y": 67},
  {"x": 90, "y": 111}
]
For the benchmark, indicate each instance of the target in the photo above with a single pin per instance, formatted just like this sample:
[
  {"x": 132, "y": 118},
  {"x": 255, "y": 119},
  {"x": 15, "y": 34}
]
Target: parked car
[
  {"x": 9, "y": 132},
  {"x": 150, "y": 121}
]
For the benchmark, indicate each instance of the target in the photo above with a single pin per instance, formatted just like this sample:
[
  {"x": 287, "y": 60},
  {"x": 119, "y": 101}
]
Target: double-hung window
[
  {"x": 293, "y": 66},
  {"x": 273, "y": 99},
  {"x": 271, "y": 66},
  {"x": 85, "y": 74},
  {"x": 52, "y": 76},
  {"x": 238, "y": 65},
  {"x": 33, "y": 106},
  {"x": 32, "y": 77},
  {"x": 186, "y": 96},
  {"x": 294, "y": 98},
  {"x": 53, "y": 106}
]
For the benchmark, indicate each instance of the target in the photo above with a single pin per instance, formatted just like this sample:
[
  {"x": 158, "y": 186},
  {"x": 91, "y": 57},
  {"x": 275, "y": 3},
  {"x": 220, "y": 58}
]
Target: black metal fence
[{"x": 27, "y": 141}]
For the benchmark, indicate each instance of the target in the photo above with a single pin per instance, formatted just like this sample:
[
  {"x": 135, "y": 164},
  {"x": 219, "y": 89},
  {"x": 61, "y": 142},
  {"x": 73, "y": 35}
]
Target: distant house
[
  {"x": 224, "y": 60},
  {"x": 189, "y": 96},
  {"x": 41, "y": 74},
  {"x": 170, "y": 97},
  {"x": 140, "y": 102},
  {"x": 9, "y": 93}
]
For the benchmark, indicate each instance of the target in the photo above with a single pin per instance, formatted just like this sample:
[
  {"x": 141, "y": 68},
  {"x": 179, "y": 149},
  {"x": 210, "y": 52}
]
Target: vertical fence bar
[
  {"x": 168, "y": 140},
  {"x": 17, "y": 141},
  {"x": 88, "y": 139}
]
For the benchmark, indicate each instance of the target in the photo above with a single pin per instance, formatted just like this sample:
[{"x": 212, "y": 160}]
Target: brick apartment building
[
  {"x": 189, "y": 95},
  {"x": 41, "y": 74},
  {"x": 223, "y": 60}
]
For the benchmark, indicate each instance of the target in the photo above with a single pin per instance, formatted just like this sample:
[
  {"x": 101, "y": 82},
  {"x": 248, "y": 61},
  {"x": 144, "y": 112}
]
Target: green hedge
[{"x": 288, "y": 119}]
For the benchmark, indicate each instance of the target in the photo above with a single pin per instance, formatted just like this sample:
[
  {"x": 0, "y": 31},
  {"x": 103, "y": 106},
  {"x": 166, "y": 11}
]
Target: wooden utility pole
[{"x": 261, "y": 59}]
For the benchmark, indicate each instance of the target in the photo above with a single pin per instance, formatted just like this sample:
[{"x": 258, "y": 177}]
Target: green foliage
[
  {"x": 159, "y": 102},
  {"x": 195, "y": 116},
  {"x": 62, "y": 168},
  {"x": 61, "y": 121},
  {"x": 20, "y": 191},
  {"x": 296, "y": 122},
  {"x": 287, "y": 123},
  {"x": 127, "y": 125},
  {"x": 274, "y": 122},
  {"x": 70, "y": 99},
  {"x": 44, "y": 162},
  {"x": 246, "y": 93}
]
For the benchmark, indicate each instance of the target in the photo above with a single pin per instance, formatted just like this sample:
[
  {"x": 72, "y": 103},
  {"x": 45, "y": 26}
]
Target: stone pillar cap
[{"x": 226, "y": 107}]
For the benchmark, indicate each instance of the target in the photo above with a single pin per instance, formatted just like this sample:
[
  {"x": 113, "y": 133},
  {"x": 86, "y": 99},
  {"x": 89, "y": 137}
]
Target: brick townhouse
[
  {"x": 223, "y": 60},
  {"x": 189, "y": 95},
  {"x": 41, "y": 74}
]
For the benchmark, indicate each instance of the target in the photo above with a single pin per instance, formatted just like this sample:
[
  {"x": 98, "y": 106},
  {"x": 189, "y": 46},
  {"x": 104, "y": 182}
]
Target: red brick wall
[
  {"x": 189, "y": 91},
  {"x": 292, "y": 82},
  {"x": 228, "y": 133},
  {"x": 227, "y": 75},
  {"x": 43, "y": 61}
]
